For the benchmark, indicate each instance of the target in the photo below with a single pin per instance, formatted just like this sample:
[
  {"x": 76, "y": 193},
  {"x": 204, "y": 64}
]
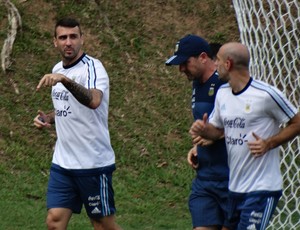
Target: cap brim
[{"x": 176, "y": 60}]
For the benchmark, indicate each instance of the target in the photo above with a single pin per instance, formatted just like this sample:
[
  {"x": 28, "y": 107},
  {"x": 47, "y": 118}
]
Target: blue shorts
[
  {"x": 66, "y": 190},
  {"x": 252, "y": 210},
  {"x": 208, "y": 203}
]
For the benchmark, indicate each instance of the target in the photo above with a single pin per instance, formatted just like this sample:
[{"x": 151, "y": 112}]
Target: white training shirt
[
  {"x": 83, "y": 140},
  {"x": 259, "y": 108}
]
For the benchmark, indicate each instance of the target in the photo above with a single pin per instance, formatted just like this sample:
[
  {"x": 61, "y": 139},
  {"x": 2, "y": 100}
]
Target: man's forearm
[
  {"x": 82, "y": 94},
  {"x": 286, "y": 134},
  {"x": 213, "y": 133}
]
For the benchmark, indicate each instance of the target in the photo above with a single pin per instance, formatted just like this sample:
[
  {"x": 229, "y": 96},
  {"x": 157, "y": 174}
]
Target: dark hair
[
  {"x": 67, "y": 22},
  {"x": 209, "y": 53},
  {"x": 214, "y": 47}
]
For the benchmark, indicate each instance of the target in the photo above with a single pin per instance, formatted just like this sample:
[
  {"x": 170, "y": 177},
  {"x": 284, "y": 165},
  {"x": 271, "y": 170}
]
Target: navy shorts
[
  {"x": 95, "y": 192},
  {"x": 208, "y": 203},
  {"x": 252, "y": 210}
]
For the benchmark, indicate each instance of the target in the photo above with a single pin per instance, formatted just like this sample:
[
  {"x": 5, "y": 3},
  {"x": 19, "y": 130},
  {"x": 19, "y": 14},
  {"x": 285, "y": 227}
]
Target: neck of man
[
  {"x": 211, "y": 69},
  {"x": 69, "y": 61},
  {"x": 239, "y": 80}
]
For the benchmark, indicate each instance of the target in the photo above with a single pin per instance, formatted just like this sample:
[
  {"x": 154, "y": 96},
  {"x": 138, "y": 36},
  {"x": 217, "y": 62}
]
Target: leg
[
  {"x": 58, "y": 218},
  {"x": 211, "y": 228},
  {"x": 62, "y": 200},
  {"x": 105, "y": 223},
  {"x": 208, "y": 204},
  {"x": 207, "y": 228},
  {"x": 225, "y": 228},
  {"x": 257, "y": 211},
  {"x": 98, "y": 198}
]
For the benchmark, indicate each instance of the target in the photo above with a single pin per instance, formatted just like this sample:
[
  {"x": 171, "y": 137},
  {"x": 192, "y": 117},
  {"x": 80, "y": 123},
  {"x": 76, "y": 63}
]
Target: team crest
[
  {"x": 248, "y": 107},
  {"x": 211, "y": 90}
]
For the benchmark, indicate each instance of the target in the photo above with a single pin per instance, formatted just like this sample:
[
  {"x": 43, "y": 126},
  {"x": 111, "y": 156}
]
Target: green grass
[{"x": 149, "y": 106}]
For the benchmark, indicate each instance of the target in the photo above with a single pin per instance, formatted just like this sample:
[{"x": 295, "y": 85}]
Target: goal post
[{"x": 271, "y": 31}]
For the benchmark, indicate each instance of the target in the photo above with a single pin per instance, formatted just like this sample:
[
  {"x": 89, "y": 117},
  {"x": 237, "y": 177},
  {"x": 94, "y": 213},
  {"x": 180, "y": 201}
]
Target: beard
[{"x": 69, "y": 55}]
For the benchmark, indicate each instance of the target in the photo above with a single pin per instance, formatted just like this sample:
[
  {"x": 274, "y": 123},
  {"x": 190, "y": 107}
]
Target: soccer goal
[{"x": 271, "y": 30}]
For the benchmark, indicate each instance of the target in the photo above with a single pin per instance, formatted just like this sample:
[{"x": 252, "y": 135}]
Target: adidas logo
[
  {"x": 223, "y": 107},
  {"x": 96, "y": 211}
]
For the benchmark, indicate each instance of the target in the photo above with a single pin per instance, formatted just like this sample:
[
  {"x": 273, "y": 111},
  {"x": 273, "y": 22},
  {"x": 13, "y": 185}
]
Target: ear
[
  {"x": 203, "y": 57},
  {"x": 229, "y": 64},
  {"x": 82, "y": 39},
  {"x": 55, "y": 42}
]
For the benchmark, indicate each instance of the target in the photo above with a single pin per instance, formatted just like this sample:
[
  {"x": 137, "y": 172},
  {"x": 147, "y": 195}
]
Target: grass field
[{"x": 149, "y": 105}]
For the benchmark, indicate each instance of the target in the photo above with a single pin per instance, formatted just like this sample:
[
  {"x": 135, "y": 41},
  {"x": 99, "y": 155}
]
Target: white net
[{"x": 271, "y": 29}]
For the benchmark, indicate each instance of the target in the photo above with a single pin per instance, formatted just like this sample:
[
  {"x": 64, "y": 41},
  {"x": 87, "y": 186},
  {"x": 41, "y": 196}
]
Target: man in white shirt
[
  {"x": 249, "y": 113},
  {"x": 83, "y": 159}
]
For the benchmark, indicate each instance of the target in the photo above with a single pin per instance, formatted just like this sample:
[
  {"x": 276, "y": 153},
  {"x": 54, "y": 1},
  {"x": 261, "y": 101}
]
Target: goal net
[{"x": 271, "y": 30}]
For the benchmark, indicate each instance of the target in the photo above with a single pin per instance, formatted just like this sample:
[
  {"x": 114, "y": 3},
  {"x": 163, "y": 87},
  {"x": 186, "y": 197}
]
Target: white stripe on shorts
[
  {"x": 267, "y": 213},
  {"x": 104, "y": 195}
]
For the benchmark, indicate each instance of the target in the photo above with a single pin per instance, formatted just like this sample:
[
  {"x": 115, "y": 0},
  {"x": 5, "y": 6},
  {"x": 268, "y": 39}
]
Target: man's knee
[
  {"x": 58, "y": 218},
  {"x": 105, "y": 223}
]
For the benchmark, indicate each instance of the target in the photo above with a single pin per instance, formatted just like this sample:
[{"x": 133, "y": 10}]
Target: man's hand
[
  {"x": 202, "y": 141},
  {"x": 192, "y": 158},
  {"x": 258, "y": 147},
  {"x": 50, "y": 80},
  {"x": 198, "y": 127},
  {"x": 42, "y": 120}
]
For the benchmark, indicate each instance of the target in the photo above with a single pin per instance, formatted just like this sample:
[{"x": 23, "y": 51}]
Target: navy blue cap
[{"x": 190, "y": 45}]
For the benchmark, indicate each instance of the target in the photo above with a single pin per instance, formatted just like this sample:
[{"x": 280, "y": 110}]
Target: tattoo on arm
[{"x": 82, "y": 94}]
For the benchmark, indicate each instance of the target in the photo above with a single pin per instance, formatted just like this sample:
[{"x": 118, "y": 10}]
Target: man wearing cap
[{"x": 208, "y": 197}]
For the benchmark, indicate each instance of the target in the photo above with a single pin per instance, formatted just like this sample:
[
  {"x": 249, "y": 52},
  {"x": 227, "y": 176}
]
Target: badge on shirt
[
  {"x": 248, "y": 106},
  {"x": 211, "y": 90}
]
